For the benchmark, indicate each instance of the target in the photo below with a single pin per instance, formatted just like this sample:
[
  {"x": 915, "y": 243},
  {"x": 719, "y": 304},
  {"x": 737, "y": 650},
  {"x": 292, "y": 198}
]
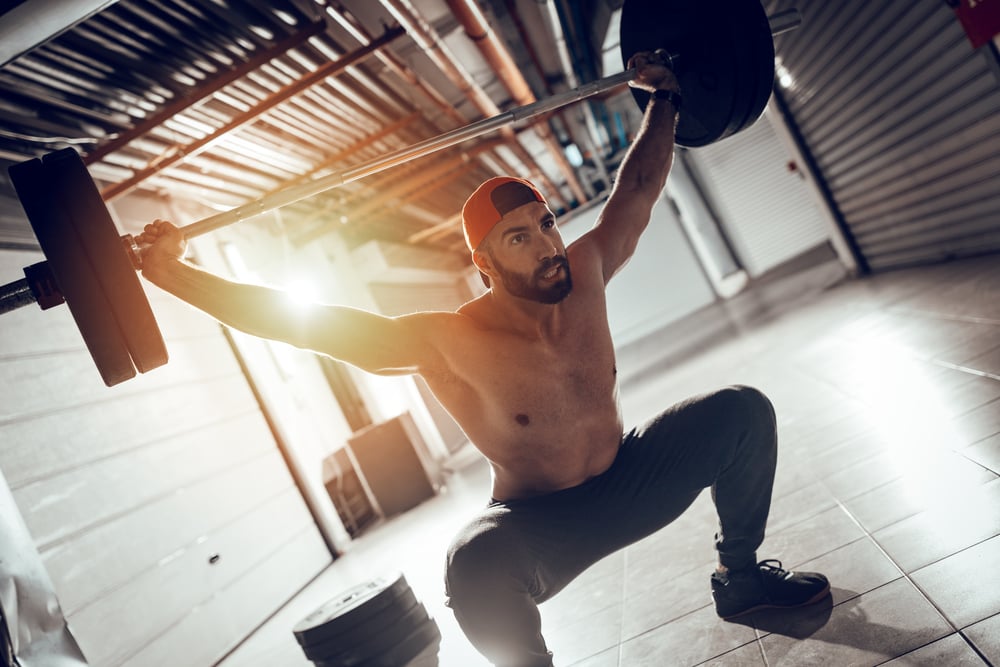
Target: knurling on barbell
[{"x": 724, "y": 56}]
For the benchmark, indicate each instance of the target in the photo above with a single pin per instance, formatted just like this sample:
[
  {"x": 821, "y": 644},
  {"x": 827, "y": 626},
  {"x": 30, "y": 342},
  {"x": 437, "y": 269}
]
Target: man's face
[{"x": 528, "y": 255}]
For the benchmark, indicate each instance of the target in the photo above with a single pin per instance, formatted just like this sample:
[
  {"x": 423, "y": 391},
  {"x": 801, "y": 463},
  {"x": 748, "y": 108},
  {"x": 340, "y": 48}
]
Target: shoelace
[{"x": 772, "y": 567}]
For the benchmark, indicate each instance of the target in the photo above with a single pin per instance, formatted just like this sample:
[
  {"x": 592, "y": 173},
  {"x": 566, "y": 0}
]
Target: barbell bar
[{"x": 722, "y": 54}]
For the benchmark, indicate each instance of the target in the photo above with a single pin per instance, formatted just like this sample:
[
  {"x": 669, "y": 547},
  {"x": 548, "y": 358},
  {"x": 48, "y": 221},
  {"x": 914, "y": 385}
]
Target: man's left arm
[{"x": 642, "y": 174}]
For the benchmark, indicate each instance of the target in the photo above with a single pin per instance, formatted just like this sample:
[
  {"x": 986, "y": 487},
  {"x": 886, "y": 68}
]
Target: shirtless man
[{"x": 528, "y": 371}]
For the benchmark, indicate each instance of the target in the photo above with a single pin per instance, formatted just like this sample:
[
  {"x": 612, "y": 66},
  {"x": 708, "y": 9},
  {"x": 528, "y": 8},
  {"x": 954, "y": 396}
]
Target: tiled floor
[{"x": 888, "y": 398}]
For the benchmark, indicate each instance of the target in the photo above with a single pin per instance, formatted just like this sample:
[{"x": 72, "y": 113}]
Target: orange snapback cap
[{"x": 490, "y": 202}]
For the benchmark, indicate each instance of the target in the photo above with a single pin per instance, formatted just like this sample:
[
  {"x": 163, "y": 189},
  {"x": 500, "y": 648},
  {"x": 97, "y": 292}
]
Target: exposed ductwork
[
  {"x": 222, "y": 103},
  {"x": 499, "y": 58},
  {"x": 428, "y": 39},
  {"x": 594, "y": 135}
]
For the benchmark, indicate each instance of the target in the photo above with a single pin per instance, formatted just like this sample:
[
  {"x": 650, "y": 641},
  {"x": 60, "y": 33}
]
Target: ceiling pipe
[
  {"x": 348, "y": 22},
  {"x": 571, "y": 80},
  {"x": 585, "y": 110},
  {"x": 343, "y": 17},
  {"x": 336, "y": 12},
  {"x": 478, "y": 30},
  {"x": 434, "y": 48}
]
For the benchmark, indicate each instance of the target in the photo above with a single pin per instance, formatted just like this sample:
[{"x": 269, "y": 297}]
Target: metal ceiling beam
[
  {"x": 431, "y": 173},
  {"x": 445, "y": 227},
  {"x": 225, "y": 78},
  {"x": 317, "y": 76},
  {"x": 35, "y": 22},
  {"x": 329, "y": 162}
]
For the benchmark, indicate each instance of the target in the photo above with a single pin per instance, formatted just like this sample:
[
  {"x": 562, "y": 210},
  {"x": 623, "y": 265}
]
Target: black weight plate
[
  {"x": 715, "y": 66},
  {"x": 427, "y": 657},
  {"x": 351, "y": 608},
  {"x": 72, "y": 270},
  {"x": 737, "y": 41},
  {"x": 765, "y": 82},
  {"x": 102, "y": 243},
  {"x": 760, "y": 45},
  {"x": 357, "y": 634},
  {"x": 360, "y": 651},
  {"x": 707, "y": 71},
  {"x": 744, "y": 39},
  {"x": 415, "y": 644}
]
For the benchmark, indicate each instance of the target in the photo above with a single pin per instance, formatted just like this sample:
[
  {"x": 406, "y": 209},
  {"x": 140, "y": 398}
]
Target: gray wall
[
  {"x": 129, "y": 492},
  {"x": 661, "y": 283}
]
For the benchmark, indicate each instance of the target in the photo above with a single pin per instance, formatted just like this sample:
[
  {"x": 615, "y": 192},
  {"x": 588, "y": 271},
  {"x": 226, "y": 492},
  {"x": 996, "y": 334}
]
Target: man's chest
[
  {"x": 506, "y": 376},
  {"x": 556, "y": 377}
]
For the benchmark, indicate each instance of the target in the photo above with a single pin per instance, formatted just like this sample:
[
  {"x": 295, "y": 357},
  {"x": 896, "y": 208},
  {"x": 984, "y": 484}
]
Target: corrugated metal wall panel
[
  {"x": 124, "y": 489},
  {"x": 901, "y": 117},
  {"x": 765, "y": 209}
]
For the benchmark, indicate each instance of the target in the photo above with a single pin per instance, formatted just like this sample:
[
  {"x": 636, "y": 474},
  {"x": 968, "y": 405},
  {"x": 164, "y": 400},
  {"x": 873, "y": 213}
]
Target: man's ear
[{"x": 482, "y": 261}]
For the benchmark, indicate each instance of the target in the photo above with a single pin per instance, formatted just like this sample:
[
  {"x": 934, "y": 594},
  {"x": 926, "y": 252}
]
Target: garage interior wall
[
  {"x": 158, "y": 503},
  {"x": 661, "y": 283},
  {"x": 902, "y": 118},
  {"x": 763, "y": 205}
]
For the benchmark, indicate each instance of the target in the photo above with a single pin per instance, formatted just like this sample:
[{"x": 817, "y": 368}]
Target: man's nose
[{"x": 546, "y": 248}]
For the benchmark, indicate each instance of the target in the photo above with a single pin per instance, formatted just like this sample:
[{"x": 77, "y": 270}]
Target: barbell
[{"x": 722, "y": 54}]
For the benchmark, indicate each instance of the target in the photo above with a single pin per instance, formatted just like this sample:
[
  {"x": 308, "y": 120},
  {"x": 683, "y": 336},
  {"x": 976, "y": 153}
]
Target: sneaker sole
[{"x": 813, "y": 600}]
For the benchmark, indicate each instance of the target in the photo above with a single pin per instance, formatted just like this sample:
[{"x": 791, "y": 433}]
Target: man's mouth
[{"x": 552, "y": 272}]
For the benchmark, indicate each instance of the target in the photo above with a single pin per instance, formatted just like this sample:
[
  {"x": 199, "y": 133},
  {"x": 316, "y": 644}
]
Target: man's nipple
[{"x": 522, "y": 419}]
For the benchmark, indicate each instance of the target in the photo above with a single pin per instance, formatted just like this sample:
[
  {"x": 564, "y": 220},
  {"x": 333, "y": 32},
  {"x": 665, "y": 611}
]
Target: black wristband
[{"x": 671, "y": 96}]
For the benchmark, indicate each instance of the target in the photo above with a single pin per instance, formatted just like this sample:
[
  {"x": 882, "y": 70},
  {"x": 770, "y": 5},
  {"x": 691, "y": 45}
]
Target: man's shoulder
[
  {"x": 435, "y": 318},
  {"x": 440, "y": 323},
  {"x": 586, "y": 264},
  {"x": 584, "y": 252},
  {"x": 474, "y": 309}
]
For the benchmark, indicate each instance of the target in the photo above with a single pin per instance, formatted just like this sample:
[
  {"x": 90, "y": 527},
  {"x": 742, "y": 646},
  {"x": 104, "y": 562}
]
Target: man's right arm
[
  {"x": 642, "y": 174},
  {"x": 372, "y": 342}
]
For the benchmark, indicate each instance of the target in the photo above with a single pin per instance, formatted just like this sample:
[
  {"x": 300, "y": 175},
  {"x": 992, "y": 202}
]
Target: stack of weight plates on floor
[{"x": 378, "y": 623}]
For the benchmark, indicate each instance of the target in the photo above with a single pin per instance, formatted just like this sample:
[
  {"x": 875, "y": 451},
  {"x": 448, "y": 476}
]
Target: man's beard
[{"x": 533, "y": 287}]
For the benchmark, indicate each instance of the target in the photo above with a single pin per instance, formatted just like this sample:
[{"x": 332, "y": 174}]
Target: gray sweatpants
[{"x": 519, "y": 553}]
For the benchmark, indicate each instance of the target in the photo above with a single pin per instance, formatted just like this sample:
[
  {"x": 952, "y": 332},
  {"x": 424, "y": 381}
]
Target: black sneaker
[{"x": 763, "y": 586}]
